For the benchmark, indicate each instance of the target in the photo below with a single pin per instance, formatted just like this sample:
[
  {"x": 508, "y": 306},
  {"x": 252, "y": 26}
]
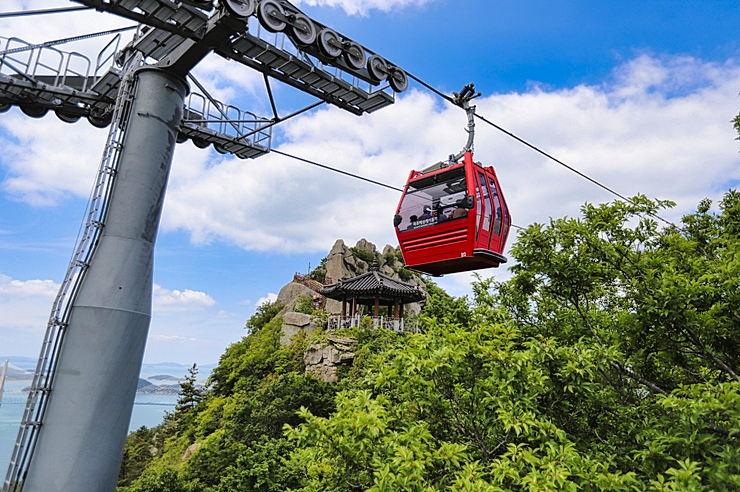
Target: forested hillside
[{"x": 610, "y": 361}]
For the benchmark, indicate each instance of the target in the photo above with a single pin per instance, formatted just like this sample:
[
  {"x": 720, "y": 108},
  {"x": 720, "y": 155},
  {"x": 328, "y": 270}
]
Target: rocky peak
[{"x": 343, "y": 262}]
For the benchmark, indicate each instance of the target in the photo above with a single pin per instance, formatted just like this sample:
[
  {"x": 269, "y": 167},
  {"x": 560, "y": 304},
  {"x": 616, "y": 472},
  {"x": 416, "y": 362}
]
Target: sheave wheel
[
  {"x": 270, "y": 14},
  {"x": 377, "y": 68},
  {"x": 240, "y": 8},
  {"x": 67, "y": 118},
  {"x": 200, "y": 143},
  {"x": 398, "y": 80},
  {"x": 303, "y": 29},
  {"x": 329, "y": 43},
  {"x": 354, "y": 55},
  {"x": 99, "y": 121},
  {"x": 34, "y": 111}
]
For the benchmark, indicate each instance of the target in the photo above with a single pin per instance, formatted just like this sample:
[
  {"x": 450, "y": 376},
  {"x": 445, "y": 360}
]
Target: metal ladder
[{"x": 43, "y": 377}]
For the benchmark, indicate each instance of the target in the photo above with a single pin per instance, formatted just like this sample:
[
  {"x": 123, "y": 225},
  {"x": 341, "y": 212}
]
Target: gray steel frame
[{"x": 100, "y": 317}]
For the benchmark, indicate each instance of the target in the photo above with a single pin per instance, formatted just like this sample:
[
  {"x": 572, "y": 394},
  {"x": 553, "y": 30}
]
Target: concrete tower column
[{"x": 80, "y": 443}]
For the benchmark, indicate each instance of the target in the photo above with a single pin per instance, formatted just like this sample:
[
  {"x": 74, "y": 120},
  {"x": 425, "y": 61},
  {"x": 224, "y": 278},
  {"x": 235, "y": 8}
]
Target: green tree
[
  {"x": 608, "y": 362},
  {"x": 442, "y": 306},
  {"x": 190, "y": 393},
  {"x": 265, "y": 312},
  {"x": 232, "y": 437},
  {"x": 304, "y": 305},
  {"x": 137, "y": 454}
]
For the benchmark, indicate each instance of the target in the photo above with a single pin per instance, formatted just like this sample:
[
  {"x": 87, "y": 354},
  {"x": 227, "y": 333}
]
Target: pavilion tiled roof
[{"x": 373, "y": 283}]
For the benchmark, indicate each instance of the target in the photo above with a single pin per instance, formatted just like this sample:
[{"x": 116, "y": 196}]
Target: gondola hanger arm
[{"x": 463, "y": 99}]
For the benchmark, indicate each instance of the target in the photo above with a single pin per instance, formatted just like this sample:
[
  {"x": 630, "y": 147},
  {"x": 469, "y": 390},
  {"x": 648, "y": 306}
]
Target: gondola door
[
  {"x": 483, "y": 209},
  {"x": 501, "y": 221}
]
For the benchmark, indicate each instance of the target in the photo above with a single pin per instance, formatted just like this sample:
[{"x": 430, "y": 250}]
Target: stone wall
[{"x": 323, "y": 360}]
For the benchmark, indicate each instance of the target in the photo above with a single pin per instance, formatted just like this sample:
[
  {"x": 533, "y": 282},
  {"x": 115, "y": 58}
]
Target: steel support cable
[
  {"x": 59, "y": 10},
  {"x": 537, "y": 149},
  {"x": 346, "y": 173},
  {"x": 66, "y": 40}
]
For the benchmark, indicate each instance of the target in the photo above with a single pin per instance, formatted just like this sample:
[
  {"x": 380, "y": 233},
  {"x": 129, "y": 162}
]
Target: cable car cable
[
  {"x": 346, "y": 173},
  {"x": 535, "y": 148},
  {"x": 66, "y": 40},
  {"x": 22, "y": 13},
  {"x": 324, "y": 166}
]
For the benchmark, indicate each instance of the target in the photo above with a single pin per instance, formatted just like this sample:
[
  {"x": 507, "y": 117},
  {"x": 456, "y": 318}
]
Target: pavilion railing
[{"x": 336, "y": 322}]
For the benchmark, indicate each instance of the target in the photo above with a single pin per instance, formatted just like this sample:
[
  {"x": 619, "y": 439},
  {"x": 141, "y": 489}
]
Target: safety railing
[
  {"x": 336, "y": 322},
  {"x": 227, "y": 119},
  {"x": 55, "y": 67}
]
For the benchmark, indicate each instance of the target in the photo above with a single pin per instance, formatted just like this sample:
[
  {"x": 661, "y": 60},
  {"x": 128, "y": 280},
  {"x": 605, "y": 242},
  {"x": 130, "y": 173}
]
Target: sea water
[
  {"x": 11, "y": 415},
  {"x": 149, "y": 409}
]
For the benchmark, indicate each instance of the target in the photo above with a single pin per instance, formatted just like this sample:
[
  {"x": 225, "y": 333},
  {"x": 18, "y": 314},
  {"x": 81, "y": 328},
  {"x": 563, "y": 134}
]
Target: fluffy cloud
[
  {"x": 48, "y": 160},
  {"x": 24, "y": 312},
  {"x": 42, "y": 289},
  {"x": 270, "y": 297},
  {"x": 178, "y": 339},
  {"x": 363, "y": 7},
  {"x": 164, "y": 300},
  {"x": 659, "y": 127}
]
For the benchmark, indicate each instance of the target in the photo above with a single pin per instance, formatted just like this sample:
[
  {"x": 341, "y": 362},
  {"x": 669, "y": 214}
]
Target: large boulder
[
  {"x": 290, "y": 293},
  {"x": 366, "y": 245},
  {"x": 293, "y": 323},
  {"x": 340, "y": 263}
]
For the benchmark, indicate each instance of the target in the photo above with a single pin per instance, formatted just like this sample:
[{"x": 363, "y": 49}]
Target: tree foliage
[
  {"x": 608, "y": 362},
  {"x": 264, "y": 313},
  {"x": 231, "y": 438}
]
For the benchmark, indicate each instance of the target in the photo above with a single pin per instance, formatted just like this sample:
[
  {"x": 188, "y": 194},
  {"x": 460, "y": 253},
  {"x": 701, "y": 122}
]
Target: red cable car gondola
[{"x": 452, "y": 216}]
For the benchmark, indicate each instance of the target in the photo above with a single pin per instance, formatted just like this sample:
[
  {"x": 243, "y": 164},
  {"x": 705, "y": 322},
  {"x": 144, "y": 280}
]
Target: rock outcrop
[
  {"x": 323, "y": 360},
  {"x": 341, "y": 263},
  {"x": 293, "y": 323},
  {"x": 290, "y": 293}
]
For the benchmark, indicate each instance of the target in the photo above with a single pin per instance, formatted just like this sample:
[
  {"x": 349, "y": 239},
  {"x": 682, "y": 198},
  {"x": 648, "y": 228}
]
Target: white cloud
[
  {"x": 41, "y": 289},
  {"x": 24, "y": 312},
  {"x": 660, "y": 127},
  {"x": 270, "y": 297},
  {"x": 178, "y": 339},
  {"x": 48, "y": 160},
  {"x": 362, "y": 7},
  {"x": 165, "y": 300}
]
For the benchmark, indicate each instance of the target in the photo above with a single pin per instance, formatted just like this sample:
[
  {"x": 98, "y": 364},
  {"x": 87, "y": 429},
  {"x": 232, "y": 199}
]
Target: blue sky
[{"x": 637, "y": 94}]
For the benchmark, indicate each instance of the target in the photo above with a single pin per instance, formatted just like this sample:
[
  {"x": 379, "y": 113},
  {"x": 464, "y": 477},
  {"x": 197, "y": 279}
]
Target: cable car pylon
[
  {"x": 78, "y": 410},
  {"x": 452, "y": 216}
]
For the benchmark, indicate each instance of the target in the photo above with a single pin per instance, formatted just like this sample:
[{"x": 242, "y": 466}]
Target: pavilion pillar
[
  {"x": 395, "y": 308},
  {"x": 401, "y": 314},
  {"x": 377, "y": 307},
  {"x": 344, "y": 307}
]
